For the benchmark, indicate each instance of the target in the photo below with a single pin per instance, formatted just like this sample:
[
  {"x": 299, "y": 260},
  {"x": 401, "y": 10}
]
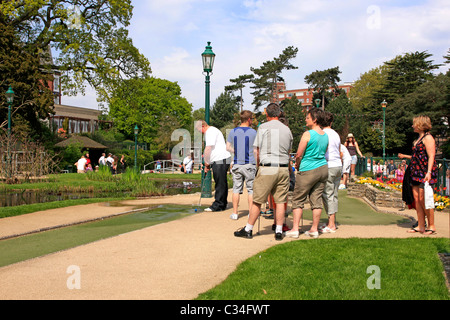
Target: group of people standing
[
  {"x": 261, "y": 162},
  {"x": 115, "y": 164}
]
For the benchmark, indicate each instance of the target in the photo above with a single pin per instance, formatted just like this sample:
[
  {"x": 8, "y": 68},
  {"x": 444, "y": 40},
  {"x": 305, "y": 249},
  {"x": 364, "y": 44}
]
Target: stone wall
[{"x": 378, "y": 197}]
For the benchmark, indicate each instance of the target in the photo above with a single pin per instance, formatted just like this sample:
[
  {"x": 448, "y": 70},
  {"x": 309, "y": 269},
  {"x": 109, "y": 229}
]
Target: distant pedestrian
[
  {"x": 81, "y": 165},
  {"x": 102, "y": 160},
  {"x": 353, "y": 149},
  {"x": 188, "y": 163},
  {"x": 346, "y": 163}
]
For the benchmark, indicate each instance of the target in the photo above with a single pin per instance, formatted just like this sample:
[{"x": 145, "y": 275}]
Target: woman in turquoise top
[{"x": 312, "y": 173}]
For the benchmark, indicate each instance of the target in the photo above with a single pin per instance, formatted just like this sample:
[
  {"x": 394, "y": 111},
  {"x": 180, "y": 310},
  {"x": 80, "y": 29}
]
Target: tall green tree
[
  {"x": 239, "y": 84},
  {"x": 429, "y": 99},
  {"x": 154, "y": 105},
  {"x": 269, "y": 74},
  {"x": 20, "y": 69},
  {"x": 295, "y": 115},
  {"x": 89, "y": 39},
  {"x": 405, "y": 73},
  {"x": 322, "y": 80},
  {"x": 364, "y": 95},
  {"x": 224, "y": 109}
]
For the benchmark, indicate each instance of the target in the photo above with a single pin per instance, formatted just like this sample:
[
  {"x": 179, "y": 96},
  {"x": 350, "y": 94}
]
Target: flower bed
[{"x": 440, "y": 202}]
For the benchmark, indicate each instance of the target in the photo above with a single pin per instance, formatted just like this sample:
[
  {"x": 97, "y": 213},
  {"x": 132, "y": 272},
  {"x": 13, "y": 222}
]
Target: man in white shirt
[
  {"x": 81, "y": 165},
  {"x": 109, "y": 161},
  {"x": 102, "y": 160},
  {"x": 188, "y": 163},
  {"x": 217, "y": 159},
  {"x": 333, "y": 156}
]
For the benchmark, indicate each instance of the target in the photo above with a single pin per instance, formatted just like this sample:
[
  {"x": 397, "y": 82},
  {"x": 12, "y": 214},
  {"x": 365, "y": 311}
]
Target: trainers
[
  {"x": 234, "y": 216},
  {"x": 313, "y": 235},
  {"x": 243, "y": 234},
  {"x": 292, "y": 234},
  {"x": 278, "y": 236},
  {"x": 208, "y": 210}
]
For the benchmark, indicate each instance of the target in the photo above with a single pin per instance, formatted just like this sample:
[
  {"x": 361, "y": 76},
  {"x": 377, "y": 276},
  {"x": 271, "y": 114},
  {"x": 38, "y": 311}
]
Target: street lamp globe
[
  {"x": 317, "y": 102},
  {"x": 136, "y": 130},
  {"x": 208, "y": 57},
  {"x": 10, "y": 95}
]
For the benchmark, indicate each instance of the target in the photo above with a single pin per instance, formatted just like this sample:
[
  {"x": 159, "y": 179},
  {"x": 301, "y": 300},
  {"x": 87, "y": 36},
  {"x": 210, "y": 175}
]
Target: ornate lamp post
[
  {"x": 383, "y": 105},
  {"x": 9, "y": 100},
  {"x": 136, "y": 131},
  {"x": 208, "y": 57}
]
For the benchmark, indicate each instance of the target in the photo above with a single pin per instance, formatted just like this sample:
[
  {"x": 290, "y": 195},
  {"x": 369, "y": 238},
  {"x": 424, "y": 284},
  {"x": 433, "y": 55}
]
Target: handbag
[{"x": 429, "y": 196}]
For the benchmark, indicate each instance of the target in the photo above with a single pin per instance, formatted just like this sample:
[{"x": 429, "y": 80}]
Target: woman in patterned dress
[{"x": 423, "y": 169}]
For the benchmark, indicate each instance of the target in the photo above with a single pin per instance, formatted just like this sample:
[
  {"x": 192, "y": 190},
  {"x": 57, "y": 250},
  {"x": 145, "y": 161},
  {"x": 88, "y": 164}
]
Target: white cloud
[{"x": 354, "y": 35}]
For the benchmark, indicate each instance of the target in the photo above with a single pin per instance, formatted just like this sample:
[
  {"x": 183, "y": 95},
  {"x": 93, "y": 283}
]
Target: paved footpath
[{"x": 176, "y": 260}]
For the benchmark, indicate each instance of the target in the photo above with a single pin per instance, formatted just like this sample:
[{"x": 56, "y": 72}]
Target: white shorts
[{"x": 346, "y": 167}]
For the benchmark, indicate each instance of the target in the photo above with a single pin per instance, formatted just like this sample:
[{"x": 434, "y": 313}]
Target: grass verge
[{"x": 337, "y": 269}]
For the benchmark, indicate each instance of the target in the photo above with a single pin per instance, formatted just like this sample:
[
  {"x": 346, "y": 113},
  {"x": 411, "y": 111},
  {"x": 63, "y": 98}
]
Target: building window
[{"x": 56, "y": 84}]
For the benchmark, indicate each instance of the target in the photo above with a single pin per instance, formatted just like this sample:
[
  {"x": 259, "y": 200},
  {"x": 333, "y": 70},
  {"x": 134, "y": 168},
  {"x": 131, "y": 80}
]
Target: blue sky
[{"x": 354, "y": 35}]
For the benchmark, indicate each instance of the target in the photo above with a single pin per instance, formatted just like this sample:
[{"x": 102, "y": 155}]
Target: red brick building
[{"x": 304, "y": 95}]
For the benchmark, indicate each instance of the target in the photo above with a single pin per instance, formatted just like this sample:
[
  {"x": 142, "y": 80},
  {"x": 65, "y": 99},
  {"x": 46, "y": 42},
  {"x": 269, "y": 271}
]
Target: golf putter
[{"x": 201, "y": 189}]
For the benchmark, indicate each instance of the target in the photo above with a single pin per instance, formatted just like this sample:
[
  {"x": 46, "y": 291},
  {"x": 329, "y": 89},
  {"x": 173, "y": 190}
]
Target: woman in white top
[{"x": 333, "y": 156}]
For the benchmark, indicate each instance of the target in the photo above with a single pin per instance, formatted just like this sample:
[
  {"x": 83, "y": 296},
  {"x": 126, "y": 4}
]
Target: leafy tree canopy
[
  {"x": 223, "y": 110},
  {"x": 20, "y": 70},
  {"x": 154, "y": 105},
  {"x": 267, "y": 76},
  {"x": 89, "y": 37},
  {"x": 321, "y": 81}
]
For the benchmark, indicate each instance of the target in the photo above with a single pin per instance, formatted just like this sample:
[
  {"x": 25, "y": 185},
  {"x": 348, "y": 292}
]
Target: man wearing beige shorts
[{"x": 272, "y": 145}]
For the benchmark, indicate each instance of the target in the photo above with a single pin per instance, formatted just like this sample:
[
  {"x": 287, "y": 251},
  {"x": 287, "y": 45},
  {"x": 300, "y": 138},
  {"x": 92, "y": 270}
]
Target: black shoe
[
  {"x": 278, "y": 236},
  {"x": 243, "y": 234}
]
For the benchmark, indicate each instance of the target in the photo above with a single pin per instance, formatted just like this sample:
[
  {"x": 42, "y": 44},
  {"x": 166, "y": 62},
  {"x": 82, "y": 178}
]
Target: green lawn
[{"x": 337, "y": 269}]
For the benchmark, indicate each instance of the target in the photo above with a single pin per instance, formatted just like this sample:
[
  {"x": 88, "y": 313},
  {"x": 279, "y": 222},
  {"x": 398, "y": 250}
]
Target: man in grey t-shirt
[{"x": 273, "y": 144}]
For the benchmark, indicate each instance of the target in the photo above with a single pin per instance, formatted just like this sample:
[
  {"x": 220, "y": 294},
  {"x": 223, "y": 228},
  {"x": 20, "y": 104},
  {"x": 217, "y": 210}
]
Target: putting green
[{"x": 356, "y": 212}]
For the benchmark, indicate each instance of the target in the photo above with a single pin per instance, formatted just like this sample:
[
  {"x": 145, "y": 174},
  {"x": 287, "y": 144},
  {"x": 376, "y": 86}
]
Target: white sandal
[
  {"x": 328, "y": 230},
  {"x": 314, "y": 235}
]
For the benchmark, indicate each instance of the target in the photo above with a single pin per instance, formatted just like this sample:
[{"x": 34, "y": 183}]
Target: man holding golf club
[
  {"x": 217, "y": 159},
  {"x": 273, "y": 144}
]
